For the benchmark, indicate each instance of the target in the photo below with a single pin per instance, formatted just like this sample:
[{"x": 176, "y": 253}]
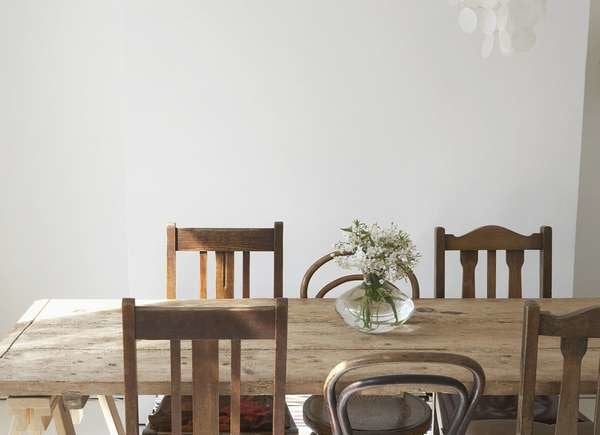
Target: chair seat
[
  {"x": 491, "y": 408},
  {"x": 407, "y": 415},
  {"x": 256, "y": 416},
  {"x": 504, "y": 427}
]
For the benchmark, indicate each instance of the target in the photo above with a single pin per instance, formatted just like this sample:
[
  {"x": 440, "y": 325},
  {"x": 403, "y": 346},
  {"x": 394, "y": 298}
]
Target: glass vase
[{"x": 392, "y": 309}]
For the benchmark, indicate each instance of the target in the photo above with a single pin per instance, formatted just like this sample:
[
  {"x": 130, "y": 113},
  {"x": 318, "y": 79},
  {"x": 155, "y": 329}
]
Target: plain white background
[{"x": 119, "y": 117}]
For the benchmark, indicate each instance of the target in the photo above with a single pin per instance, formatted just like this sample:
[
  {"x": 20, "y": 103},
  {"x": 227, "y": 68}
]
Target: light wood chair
[
  {"x": 491, "y": 239},
  {"x": 574, "y": 331},
  {"x": 315, "y": 412},
  {"x": 224, "y": 243},
  {"x": 205, "y": 326},
  {"x": 345, "y": 424}
]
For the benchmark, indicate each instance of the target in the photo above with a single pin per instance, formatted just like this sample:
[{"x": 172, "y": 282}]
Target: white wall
[
  {"x": 241, "y": 113},
  {"x": 587, "y": 281},
  {"x": 62, "y": 173},
  {"x": 316, "y": 112}
]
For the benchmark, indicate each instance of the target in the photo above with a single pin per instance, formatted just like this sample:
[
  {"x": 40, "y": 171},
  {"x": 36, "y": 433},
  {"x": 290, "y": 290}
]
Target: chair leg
[
  {"x": 436, "y": 425},
  {"x": 111, "y": 415}
]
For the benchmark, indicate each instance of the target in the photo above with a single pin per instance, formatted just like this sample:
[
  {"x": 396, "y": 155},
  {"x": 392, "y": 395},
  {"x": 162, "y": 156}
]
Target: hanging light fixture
[{"x": 510, "y": 24}]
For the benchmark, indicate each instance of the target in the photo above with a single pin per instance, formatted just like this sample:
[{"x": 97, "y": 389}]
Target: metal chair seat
[{"x": 406, "y": 415}]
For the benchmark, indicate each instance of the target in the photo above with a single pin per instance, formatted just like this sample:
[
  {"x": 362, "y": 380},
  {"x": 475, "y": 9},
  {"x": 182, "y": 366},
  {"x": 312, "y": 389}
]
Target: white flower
[{"x": 383, "y": 253}]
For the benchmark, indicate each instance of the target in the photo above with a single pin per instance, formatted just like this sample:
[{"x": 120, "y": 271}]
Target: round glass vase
[{"x": 374, "y": 316}]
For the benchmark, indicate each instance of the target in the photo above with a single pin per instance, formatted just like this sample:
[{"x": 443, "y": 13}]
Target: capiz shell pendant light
[{"x": 508, "y": 24}]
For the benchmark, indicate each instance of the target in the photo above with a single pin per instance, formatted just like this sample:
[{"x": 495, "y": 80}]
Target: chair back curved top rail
[
  {"x": 493, "y": 238},
  {"x": 343, "y": 279},
  {"x": 224, "y": 242},
  {"x": 204, "y": 326},
  {"x": 469, "y": 398},
  {"x": 574, "y": 330}
]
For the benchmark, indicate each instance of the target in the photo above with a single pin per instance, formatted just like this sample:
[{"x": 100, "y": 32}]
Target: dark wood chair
[
  {"x": 492, "y": 239},
  {"x": 204, "y": 326},
  {"x": 574, "y": 330},
  {"x": 224, "y": 243},
  {"x": 345, "y": 424},
  {"x": 316, "y": 414}
]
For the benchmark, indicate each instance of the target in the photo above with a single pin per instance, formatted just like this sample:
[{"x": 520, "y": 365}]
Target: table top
[{"x": 75, "y": 346}]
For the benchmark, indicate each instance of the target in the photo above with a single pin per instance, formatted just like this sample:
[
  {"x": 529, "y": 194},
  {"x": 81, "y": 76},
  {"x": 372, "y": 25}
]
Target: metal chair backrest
[
  {"x": 468, "y": 398},
  {"x": 343, "y": 279}
]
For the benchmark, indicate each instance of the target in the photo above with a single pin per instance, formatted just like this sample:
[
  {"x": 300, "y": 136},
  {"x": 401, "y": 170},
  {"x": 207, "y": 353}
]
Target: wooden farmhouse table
[{"x": 73, "y": 348}]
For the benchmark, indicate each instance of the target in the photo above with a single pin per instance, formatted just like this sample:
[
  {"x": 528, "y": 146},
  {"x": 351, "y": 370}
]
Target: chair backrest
[
  {"x": 467, "y": 399},
  {"x": 224, "y": 242},
  {"x": 491, "y": 239},
  {"x": 343, "y": 279},
  {"x": 574, "y": 330},
  {"x": 205, "y": 326}
]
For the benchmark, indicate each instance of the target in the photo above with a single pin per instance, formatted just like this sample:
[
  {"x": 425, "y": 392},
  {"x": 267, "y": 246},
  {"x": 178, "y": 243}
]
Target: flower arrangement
[{"x": 383, "y": 255}]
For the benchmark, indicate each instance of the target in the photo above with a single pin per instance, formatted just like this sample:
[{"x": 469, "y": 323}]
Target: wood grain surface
[{"x": 76, "y": 346}]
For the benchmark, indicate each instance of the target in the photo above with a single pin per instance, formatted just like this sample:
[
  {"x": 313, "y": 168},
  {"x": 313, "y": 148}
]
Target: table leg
[
  {"x": 62, "y": 417},
  {"x": 29, "y": 415},
  {"x": 111, "y": 415}
]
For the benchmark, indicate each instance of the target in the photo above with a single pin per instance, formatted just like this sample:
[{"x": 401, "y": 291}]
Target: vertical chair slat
[
  {"x": 236, "y": 387},
  {"x": 279, "y": 406},
  {"x": 225, "y": 275},
  {"x": 529, "y": 353},
  {"x": 171, "y": 262},
  {"x": 202, "y": 267},
  {"x": 573, "y": 350},
  {"x": 515, "y": 260},
  {"x": 491, "y": 274},
  {"x": 440, "y": 262},
  {"x": 278, "y": 260},
  {"x": 130, "y": 367},
  {"x": 468, "y": 259},
  {"x": 176, "y": 387},
  {"x": 597, "y": 410},
  {"x": 205, "y": 389},
  {"x": 546, "y": 263},
  {"x": 246, "y": 274}
]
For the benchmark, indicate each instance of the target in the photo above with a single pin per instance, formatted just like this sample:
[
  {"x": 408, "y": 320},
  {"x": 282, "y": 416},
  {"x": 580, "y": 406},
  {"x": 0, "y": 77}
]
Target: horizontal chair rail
[
  {"x": 490, "y": 238},
  {"x": 204, "y": 323},
  {"x": 224, "y": 240},
  {"x": 584, "y": 322}
]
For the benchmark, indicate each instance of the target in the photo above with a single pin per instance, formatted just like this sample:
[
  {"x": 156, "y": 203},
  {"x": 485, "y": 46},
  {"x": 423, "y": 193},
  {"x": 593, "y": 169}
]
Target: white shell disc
[
  {"x": 487, "y": 46},
  {"x": 467, "y": 20}
]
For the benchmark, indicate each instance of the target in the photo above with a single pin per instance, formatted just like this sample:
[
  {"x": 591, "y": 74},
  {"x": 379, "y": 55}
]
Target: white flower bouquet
[{"x": 383, "y": 255}]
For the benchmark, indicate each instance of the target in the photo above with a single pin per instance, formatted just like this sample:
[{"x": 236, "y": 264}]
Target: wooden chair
[
  {"x": 574, "y": 330},
  {"x": 315, "y": 412},
  {"x": 491, "y": 239},
  {"x": 205, "y": 326},
  {"x": 344, "y": 424},
  {"x": 224, "y": 242}
]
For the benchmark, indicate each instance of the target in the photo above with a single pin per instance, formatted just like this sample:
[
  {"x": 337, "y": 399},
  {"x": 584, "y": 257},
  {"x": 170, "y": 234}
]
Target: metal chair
[{"x": 338, "y": 404}]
